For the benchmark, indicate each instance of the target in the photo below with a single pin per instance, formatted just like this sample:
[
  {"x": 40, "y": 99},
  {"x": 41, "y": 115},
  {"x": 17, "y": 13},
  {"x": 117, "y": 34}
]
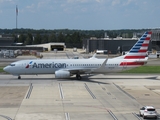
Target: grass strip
[
  {"x": 144, "y": 69},
  {"x": 1, "y": 69}
]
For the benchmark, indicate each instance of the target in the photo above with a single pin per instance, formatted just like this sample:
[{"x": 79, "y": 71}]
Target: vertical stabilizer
[{"x": 138, "y": 51}]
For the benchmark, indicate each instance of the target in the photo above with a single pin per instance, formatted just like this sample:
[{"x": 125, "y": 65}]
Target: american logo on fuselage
[{"x": 49, "y": 65}]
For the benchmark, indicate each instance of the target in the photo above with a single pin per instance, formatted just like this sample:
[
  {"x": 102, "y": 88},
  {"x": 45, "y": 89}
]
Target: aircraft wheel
[
  {"x": 19, "y": 77},
  {"x": 78, "y": 77}
]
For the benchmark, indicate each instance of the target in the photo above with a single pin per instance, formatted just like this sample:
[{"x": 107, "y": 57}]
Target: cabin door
[{"x": 124, "y": 65}]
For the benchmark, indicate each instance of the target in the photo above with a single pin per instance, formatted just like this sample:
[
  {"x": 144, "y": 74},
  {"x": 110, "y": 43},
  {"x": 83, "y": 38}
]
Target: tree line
[
  {"x": 73, "y": 38},
  {"x": 31, "y": 39}
]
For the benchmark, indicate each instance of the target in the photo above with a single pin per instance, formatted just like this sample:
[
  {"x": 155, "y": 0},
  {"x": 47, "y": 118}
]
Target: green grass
[
  {"x": 144, "y": 69},
  {"x": 1, "y": 69}
]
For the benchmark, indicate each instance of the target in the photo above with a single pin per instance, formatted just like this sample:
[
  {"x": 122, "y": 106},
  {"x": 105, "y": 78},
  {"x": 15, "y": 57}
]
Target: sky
[{"x": 80, "y": 14}]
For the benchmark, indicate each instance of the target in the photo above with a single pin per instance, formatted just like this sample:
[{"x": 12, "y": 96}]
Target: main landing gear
[
  {"x": 19, "y": 77},
  {"x": 78, "y": 77}
]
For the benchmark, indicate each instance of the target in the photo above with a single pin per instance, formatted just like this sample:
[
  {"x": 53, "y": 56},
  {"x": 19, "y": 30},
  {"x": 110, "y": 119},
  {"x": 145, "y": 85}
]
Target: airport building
[
  {"x": 51, "y": 46},
  {"x": 6, "y": 40},
  {"x": 119, "y": 44},
  {"x": 156, "y": 39},
  {"x": 112, "y": 45}
]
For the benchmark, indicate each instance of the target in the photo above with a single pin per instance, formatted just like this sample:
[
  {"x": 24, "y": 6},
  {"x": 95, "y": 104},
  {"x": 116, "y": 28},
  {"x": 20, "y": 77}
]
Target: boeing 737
[{"x": 64, "y": 68}]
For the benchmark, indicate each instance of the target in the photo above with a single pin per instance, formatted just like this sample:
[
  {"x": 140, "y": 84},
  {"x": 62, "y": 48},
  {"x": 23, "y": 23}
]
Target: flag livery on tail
[{"x": 138, "y": 51}]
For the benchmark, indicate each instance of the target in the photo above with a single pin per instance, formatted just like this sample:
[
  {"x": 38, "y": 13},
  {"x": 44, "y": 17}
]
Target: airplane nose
[{"x": 6, "y": 69}]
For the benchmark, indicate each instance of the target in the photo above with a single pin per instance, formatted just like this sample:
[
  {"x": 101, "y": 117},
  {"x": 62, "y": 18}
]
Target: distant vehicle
[
  {"x": 74, "y": 49},
  {"x": 101, "y": 51},
  {"x": 75, "y": 57},
  {"x": 148, "y": 112}
]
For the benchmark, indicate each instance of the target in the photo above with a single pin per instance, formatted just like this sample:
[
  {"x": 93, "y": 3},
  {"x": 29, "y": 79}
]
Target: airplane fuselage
[{"x": 49, "y": 66}]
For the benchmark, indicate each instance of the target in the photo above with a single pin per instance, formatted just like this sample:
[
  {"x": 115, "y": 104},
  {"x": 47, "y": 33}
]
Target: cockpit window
[{"x": 12, "y": 64}]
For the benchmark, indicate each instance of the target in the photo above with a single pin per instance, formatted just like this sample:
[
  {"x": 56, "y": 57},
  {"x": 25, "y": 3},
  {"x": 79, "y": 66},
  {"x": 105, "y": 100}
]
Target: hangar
[
  {"x": 119, "y": 44},
  {"x": 6, "y": 40},
  {"x": 112, "y": 45},
  {"x": 51, "y": 46}
]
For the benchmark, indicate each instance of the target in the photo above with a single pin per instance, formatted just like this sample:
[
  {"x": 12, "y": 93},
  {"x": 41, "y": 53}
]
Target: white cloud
[
  {"x": 43, "y": 3},
  {"x": 3, "y": 1},
  {"x": 80, "y": 1},
  {"x": 129, "y": 2},
  {"x": 99, "y": 1},
  {"x": 31, "y": 7},
  {"x": 115, "y": 2}
]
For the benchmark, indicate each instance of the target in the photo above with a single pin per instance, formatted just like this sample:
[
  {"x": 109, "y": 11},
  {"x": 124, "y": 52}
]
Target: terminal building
[{"x": 119, "y": 44}]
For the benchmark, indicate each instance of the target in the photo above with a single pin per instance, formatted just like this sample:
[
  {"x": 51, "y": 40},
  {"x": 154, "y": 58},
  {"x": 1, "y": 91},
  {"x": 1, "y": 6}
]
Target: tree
[
  {"x": 76, "y": 37},
  {"x": 60, "y": 37},
  {"x": 44, "y": 39},
  {"x": 29, "y": 39},
  {"x": 15, "y": 38},
  {"x": 68, "y": 39},
  {"x": 52, "y": 38},
  {"x": 21, "y": 38},
  {"x": 37, "y": 39}
]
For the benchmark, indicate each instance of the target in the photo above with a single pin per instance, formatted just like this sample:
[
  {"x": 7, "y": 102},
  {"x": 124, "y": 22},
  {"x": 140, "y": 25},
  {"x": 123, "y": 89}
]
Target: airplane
[{"x": 65, "y": 68}]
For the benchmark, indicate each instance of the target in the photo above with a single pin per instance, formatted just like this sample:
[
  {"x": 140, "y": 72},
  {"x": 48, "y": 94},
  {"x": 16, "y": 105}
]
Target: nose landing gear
[{"x": 19, "y": 77}]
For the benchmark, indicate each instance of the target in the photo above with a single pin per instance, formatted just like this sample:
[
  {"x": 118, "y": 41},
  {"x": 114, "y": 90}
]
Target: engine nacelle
[{"x": 62, "y": 74}]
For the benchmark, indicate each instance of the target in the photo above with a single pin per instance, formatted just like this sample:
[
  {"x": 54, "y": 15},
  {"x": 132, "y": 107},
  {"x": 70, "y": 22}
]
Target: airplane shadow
[{"x": 84, "y": 79}]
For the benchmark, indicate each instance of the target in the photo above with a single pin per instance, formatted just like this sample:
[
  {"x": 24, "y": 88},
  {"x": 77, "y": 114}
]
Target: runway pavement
[{"x": 100, "y": 97}]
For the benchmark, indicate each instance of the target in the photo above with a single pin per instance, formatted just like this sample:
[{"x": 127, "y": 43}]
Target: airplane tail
[{"x": 138, "y": 51}]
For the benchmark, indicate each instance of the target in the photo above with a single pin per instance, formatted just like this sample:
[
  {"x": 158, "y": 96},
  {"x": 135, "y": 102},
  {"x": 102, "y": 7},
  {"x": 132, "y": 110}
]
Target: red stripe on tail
[
  {"x": 147, "y": 38},
  {"x": 142, "y": 51},
  {"x": 134, "y": 57},
  {"x": 146, "y": 45}
]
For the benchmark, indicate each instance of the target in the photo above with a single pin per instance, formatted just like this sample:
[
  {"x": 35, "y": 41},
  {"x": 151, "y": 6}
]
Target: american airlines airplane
[{"x": 64, "y": 68}]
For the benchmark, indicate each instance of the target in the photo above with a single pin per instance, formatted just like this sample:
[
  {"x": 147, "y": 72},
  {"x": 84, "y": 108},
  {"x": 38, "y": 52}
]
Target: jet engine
[{"x": 62, "y": 74}]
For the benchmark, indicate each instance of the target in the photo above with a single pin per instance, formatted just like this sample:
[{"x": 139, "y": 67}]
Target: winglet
[
  {"x": 102, "y": 67},
  {"x": 94, "y": 56}
]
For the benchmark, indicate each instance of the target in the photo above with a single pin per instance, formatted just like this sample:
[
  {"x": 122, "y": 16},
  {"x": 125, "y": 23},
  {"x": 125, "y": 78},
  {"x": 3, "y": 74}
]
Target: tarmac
[{"x": 96, "y": 97}]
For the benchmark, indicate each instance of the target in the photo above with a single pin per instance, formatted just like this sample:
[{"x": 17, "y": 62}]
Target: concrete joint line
[
  {"x": 29, "y": 91},
  {"x": 61, "y": 91},
  {"x": 8, "y": 118},
  {"x": 114, "y": 117},
  {"x": 124, "y": 91},
  {"x": 136, "y": 116},
  {"x": 90, "y": 92},
  {"x": 67, "y": 116}
]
